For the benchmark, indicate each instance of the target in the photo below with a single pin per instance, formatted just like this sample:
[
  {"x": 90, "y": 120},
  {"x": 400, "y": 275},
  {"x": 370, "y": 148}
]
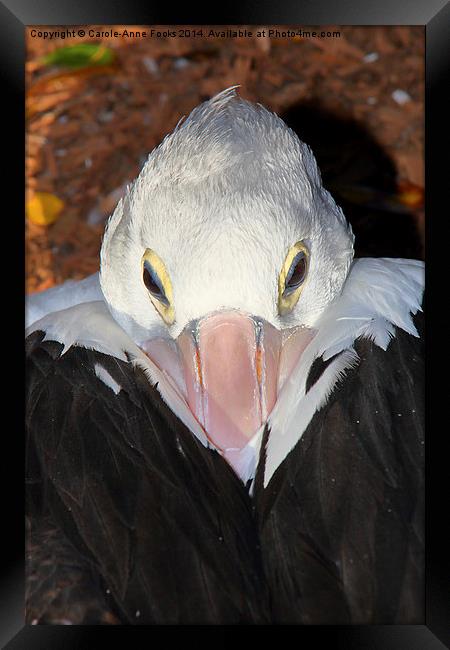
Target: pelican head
[{"x": 220, "y": 259}]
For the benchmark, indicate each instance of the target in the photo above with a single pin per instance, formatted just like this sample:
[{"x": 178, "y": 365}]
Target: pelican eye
[
  {"x": 158, "y": 284},
  {"x": 297, "y": 273},
  {"x": 153, "y": 283},
  {"x": 292, "y": 277}
]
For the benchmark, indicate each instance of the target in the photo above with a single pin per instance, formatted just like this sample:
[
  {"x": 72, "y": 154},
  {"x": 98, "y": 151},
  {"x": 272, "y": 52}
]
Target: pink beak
[{"x": 230, "y": 368}]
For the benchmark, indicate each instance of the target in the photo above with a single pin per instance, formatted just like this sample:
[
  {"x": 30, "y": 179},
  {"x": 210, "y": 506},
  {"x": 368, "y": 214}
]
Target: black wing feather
[
  {"x": 148, "y": 526},
  {"x": 162, "y": 522},
  {"x": 341, "y": 522}
]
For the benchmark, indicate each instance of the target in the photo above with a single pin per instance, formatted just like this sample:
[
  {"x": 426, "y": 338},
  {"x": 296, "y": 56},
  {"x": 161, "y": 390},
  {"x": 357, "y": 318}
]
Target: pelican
[{"x": 225, "y": 423}]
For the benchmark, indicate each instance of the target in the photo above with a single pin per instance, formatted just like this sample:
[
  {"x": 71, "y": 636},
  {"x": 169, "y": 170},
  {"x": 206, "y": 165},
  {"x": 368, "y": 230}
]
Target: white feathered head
[{"x": 225, "y": 243}]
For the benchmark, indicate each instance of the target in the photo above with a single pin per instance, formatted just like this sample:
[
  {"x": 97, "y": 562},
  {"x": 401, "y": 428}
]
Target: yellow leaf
[{"x": 44, "y": 208}]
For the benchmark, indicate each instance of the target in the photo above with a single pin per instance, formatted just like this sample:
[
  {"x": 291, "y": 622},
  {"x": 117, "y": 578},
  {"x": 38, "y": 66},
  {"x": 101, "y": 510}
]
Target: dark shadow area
[{"x": 361, "y": 178}]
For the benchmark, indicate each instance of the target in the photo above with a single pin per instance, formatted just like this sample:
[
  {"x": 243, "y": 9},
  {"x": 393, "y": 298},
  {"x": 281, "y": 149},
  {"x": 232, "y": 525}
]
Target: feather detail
[
  {"x": 378, "y": 295},
  {"x": 106, "y": 378},
  {"x": 380, "y": 331},
  {"x": 65, "y": 295},
  {"x": 349, "y": 497},
  {"x": 164, "y": 524},
  {"x": 280, "y": 445},
  {"x": 172, "y": 397},
  {"x": 88, "y": 325}
]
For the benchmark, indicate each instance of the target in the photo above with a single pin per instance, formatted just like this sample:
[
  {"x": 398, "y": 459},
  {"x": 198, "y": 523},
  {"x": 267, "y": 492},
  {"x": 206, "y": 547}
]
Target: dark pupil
[
  {"x": 296, "y": 273},
  {"x": 151, "y": 283}
]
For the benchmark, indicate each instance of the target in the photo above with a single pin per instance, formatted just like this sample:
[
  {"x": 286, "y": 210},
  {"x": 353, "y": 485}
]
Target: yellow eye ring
[
  {"x": 158, "y": 284},
  {"x": 292, "y": 277}
]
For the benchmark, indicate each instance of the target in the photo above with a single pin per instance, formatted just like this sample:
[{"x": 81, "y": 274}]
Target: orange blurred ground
[{"x": 88, "y": 132}]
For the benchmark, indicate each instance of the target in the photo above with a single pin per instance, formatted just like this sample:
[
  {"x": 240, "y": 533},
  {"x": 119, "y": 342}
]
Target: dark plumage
[
  {"x": 342, "y": 521},
  {"x": 164, "y": 523},
  {"x": 132, "y": 520}
]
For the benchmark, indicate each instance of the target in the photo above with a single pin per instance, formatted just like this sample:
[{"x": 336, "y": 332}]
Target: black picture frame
[{"x": 15, "y": 16}]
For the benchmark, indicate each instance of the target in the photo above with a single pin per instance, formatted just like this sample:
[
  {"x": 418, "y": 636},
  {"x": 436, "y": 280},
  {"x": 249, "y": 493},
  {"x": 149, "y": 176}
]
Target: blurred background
[{"x": 96, "y": 106}]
